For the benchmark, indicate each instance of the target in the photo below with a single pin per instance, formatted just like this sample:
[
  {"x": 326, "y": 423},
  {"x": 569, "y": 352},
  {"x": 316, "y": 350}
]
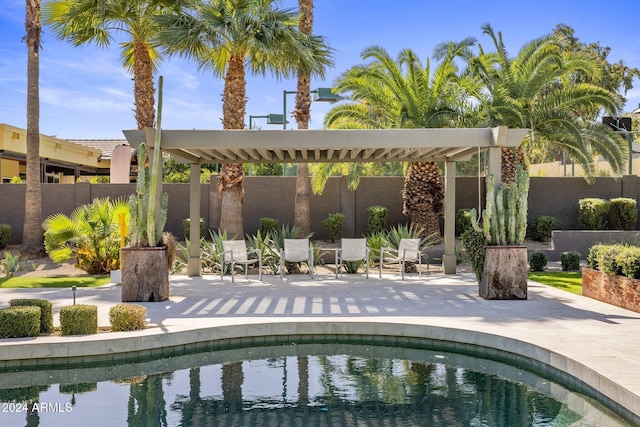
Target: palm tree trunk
[
  {"x": 232, "y": 175},
  {"x": 143, "y": 90},
  {"x": 423, "y": 196},
  {"x": 32, "y": 239},
  {"x": 302, "y": 205}
]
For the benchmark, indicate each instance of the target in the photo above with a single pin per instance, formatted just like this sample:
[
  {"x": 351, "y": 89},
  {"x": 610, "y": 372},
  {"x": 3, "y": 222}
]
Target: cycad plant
[{"x": 90, "y": 235}]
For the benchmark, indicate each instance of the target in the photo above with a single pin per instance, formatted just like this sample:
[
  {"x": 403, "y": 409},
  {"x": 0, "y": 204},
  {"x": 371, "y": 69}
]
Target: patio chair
[
  {"x": 408, "y": 251},
  {"x": 296, "y": 250},
  {"x": 235, "y": 252},
  {"x": 352, "y": 250}
]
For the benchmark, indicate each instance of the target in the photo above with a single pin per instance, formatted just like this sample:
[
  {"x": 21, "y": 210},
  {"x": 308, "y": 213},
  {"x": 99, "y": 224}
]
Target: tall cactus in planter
[
  {"x": 145, "y": 263},
  {"x": 503, "y": 226}
]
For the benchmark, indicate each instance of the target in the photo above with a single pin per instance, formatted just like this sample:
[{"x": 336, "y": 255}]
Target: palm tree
[
  {"x": 535, "y": 90},
  {"x": 231, "y": 37},
  {"x": 405, "y": 94},
  {"x": 32, "y": 238},
  {"x": 96, "y": 21},
  {"x": 302, "y": 209}
]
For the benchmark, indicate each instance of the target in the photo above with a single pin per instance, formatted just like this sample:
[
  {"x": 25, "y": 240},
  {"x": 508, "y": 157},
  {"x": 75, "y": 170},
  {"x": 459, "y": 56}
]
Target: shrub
[
  {"x": 591, "y": 213},
  {"x": 570, "y": 260},
  {"x": 127, "y": 317},
  {"x": 624, "y": 213},
  {"x": 607, "y": 259},
  {"x": 46, "y": 311},
  {"x": 463, "y": 221},
  {"x": 537, "y": 261},
  {"x": 375, "y": 242},
  {"x": 628, "y": 261},
  {"x": 17, "y": 322},
  {"x": 376, "y": 219},
  {"x": 268, "y": 226},
  {"x": 541, "y": 228},
  {"x": 80, "y": 319},
  {"x": 592, "y": 256},
  {"x": 91, "y": 235},
  {"x": 186, "y": 224},
  {"x": 334, "y": 224},
  {"x": 10, "y": 263},
  {"x": 475, "y": 247},
  {"x": 5, "y": 235}
]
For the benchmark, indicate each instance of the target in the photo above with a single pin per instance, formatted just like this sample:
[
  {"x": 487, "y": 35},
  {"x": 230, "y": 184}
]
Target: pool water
[{"x": 297, "y": 385}]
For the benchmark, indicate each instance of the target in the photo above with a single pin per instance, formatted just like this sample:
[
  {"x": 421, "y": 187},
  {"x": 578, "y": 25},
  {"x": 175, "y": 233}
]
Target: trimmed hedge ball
[
  {"x": 80, "y": 319},
  {"x": 21, "y": 321},
  {"x": 127, "y": 317},
  {"x": 46, "y": 311}
]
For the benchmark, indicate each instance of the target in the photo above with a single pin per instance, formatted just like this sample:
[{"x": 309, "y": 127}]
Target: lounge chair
[
  {"x": 408, "y": 251},
  {"x": 235, "y": 252},
  {"x": 352, "y": 250},
  {"x": 296, "y": 250}
]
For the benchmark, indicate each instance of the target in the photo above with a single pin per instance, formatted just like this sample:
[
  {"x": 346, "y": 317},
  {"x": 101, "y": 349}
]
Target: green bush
[
  {"x": 127, "y": 317},
  {"x": 376, "y": 219},
  {"x": 334, "y": 224},
  {"x": 570, "y": 260},
  {"x": 592, "y": 212},
  {"x": 10, "y": 263},
  {"x": 463, "y": 221},
  {"x": 537, "y": 261},
  {"x": 607, "y": 259},
  {"x": 541, "y": 227},
  {"x": 623, "y": 213},
  {"x": 80, "y": 319},
  {"x": 46, "y": 311},
  {"x": 268, "y": 226},
  {"x": 5, "y": 235},
  {"x": 592, "y": 256},
  {"x": 186, "y": 224},
  {"x": 20, "y": 321},
  {"x": 628, "y": 261},
  {"x": 475, "y": 247}
]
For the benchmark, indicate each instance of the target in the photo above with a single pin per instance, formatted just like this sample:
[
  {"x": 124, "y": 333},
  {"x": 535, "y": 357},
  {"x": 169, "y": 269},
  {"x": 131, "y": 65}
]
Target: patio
[{"x": 594, "y": 342}]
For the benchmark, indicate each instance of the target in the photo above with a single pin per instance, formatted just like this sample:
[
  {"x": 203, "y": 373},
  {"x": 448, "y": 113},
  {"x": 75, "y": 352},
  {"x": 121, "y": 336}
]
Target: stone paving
[{"x": 595, "y": 342}]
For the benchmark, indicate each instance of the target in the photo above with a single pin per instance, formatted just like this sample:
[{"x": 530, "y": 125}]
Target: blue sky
[{"x": 85, "y": 93}]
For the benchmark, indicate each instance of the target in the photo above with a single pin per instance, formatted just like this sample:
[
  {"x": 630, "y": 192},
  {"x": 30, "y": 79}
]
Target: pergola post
[
  {"x": 193, "y": 263},
  {"x": 449, "y": 258}
]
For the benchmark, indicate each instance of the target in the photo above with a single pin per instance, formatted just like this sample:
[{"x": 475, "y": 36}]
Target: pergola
[{"x": 300, "y": 146}]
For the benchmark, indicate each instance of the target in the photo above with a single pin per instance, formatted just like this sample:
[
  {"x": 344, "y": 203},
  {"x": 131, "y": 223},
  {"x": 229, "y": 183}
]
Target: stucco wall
[{"x": 275, "y": 197}]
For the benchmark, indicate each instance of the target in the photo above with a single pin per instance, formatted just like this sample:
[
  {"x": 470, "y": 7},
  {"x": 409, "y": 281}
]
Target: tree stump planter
[
  {"x": 145, "y": 274},
  {"x": 505, "y": 273}
]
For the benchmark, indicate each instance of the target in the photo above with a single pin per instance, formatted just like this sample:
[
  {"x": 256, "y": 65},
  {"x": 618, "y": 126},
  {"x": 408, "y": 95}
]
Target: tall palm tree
[
  {"x": 231, "y": 38},
  {"x": 96, "y": 21},
  {"x": 535, "y": 90},
  {"x": 32, "y": 237},
  {"x": 405, "y": 94},
  {"x": 302, "y": 208}
]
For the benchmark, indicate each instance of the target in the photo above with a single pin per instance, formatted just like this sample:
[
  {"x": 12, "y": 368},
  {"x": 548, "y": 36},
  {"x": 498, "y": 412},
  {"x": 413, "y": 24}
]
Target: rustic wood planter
[
  {"x": 620, "y": 291},
  {"x": 145, "y": 274},
  {"x": 505, "y": 273}
]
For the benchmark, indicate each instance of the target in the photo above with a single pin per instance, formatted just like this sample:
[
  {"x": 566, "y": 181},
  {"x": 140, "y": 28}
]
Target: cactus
[
  {"x": 504, "y": 219},
  {"x": 143, "y": 228}
]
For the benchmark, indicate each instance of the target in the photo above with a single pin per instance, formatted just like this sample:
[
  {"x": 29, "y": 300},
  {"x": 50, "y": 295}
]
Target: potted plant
[
  {"x": 146, "y": 261},
  {"x": 500, "y": 259}
]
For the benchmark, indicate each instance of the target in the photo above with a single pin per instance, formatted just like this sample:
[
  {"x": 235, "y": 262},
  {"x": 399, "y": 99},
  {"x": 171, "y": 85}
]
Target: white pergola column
[
  {"x": 449, "y": 258},
  {"x": 193, "y": 263}
]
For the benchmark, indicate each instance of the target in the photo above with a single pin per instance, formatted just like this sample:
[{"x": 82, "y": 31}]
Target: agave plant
[{"x": 90, "y": 235}]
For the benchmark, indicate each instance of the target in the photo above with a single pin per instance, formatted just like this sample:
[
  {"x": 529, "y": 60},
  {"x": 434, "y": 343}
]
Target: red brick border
[{"x": 620, "y": 291}]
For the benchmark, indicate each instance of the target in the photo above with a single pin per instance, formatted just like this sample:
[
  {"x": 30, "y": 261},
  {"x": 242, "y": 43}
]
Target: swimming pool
[{"x": 328, "y": 383}]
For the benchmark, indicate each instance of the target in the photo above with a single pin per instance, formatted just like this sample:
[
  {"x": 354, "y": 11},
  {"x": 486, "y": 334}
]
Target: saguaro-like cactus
[
  {"x": 146, "y": 224},
  {"x": 504, "y": 219}
]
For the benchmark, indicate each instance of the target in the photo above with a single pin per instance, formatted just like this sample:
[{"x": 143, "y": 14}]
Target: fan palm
[
  {"x": 229, "y": 38},
  {"x": 97, "y": 21},
  {"x": 405, "y": 94},
  {"x": 535, "y": 90}
]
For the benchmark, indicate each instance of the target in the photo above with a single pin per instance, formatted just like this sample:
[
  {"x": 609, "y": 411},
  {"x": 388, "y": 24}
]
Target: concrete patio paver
[{"x": 597, "y": 343}]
